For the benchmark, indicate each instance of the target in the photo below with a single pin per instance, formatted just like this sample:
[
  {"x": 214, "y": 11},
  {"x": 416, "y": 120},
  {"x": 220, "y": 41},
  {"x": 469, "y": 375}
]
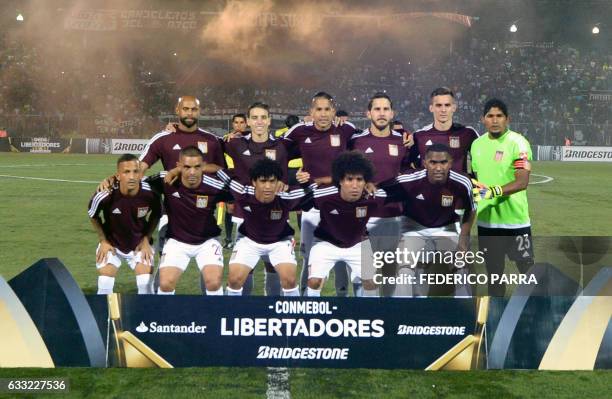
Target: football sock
[
  {"x": 233, "y": 292},
  {"x": 143, "y": 282},
  {"x": 291, "y": 292},
  {"x": 217, "y": 292},
  {"x": 105, "y": 285}
]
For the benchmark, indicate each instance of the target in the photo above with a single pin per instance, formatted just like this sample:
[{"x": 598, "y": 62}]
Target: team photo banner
[{"x": 191, "y": 331}]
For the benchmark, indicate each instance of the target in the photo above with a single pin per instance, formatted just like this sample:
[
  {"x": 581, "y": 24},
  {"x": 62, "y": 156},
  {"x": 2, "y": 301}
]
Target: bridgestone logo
[
  {"x": 267, "y": 352},
  {"x": 403, "y": 329},
  {"x": 132, "y": 147},
  {"x": 593, "y": 153}
]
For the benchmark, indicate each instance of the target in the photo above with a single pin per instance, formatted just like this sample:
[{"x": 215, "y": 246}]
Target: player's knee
[
  {"x": 108, "y": 270},
  {"x": 141, "y": 268},
  {"x": 289, "y": 281},
  {"x": 167, "y": 285},
  {"x": 235, "y": 281},
  {"x": 315, "y": 283}
]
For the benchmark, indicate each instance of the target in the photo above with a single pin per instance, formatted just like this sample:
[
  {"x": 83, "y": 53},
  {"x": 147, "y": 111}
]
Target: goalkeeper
[{"x": 501, "y": 161}]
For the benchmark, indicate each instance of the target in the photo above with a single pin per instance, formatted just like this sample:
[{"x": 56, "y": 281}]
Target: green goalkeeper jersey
[{"x": 493, "y": 164}]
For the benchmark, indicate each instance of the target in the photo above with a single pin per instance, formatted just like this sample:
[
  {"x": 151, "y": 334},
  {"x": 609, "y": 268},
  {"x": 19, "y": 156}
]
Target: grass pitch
[{"x": 43, "y": 213}]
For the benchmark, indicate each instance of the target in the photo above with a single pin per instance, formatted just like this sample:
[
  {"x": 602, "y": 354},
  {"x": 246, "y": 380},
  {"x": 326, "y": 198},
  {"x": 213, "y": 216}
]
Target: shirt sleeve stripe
[
  {"x": 96, "y": 202},
  {"x": 153, "y": 139},
  {"x": 288, "y": 132}
]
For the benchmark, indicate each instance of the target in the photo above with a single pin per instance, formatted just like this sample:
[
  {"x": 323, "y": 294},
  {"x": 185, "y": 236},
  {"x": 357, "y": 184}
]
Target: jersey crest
[
  {"x": 142, "y": 212},
  {"x": 201, "y": 201}
]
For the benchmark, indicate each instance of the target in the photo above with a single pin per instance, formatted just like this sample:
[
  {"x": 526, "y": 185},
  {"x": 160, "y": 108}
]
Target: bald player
[{"x": 167, "y": 144}]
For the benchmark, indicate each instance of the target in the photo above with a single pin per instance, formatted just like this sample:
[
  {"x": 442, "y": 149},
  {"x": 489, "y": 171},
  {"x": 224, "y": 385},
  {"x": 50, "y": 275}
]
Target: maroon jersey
[
  {"x": 125, "y": 218},
  {"x": 245, "y": 152},
  {"x": 432, "y": 205},
  {"x": 191, "y": 211},
  {"x": 166, "y": 146},
  {"x": 266, "y": 223},
  {"x": 316, "y": 148},
  {"x": 389, "y": 157},
  {"x": 458, "y": 138},
  {"x": 344, "y": 223}
]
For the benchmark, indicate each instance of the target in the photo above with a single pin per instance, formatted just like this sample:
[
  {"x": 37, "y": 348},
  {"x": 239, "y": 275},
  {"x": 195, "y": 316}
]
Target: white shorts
[
  {"x": 420, "y": 238},
  {"x": 131, "y": 258},
  {"x": 178, "y": 254},
  {"x": 248, "y": 252},
  {"x": 324, "y": 255},
  {"x": 310, "y": 221}
]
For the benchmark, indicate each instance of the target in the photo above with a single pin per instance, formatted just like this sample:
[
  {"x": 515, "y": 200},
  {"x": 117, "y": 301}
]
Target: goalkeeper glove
[{"x": 486, "y": 193}]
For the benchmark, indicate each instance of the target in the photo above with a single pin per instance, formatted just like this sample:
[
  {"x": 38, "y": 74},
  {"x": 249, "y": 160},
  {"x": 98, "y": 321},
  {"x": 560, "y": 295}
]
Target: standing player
[
  {"x": 126, "y": 231},
  {"x": 192, "y": 229},
  {"x": 239, "y": 127},
  {"x": 244, "y": 152},
  {"x": 501, "y": 162},
  {"x": 239, "y": 124},
  {"x": 385, "y": 149},
  {"x": 341, "y": 235},
  {"x": 443, "y": 130},
  {"x": 434, "y": 199},
  {"x": 265, "y": 232},
  {"x": 318, "y": 143}
]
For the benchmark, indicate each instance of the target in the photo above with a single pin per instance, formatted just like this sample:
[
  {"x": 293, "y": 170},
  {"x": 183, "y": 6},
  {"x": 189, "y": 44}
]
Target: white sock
[
  {"x": 217, "y": 292},
  {"x": 370, "y": 293},
  {"x": 105, "y": 285},
  {"x": 291, "y": 292},
  {"x": 143, "y": 282},
  {"x": 233, "y": 292},
  {"x": 312, "y": 292},
  {"x": 160, "y": 292}
]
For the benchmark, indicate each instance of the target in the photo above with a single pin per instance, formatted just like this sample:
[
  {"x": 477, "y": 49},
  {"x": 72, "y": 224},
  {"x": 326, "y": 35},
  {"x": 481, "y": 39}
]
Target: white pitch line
[
  {"x": 43, "y": 179},
  {"x": 547, "y": 179},
  {"x": 45, "y": 165}
]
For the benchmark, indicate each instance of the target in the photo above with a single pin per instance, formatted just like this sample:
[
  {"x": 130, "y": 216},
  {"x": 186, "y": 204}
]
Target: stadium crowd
[{"x": 548, "y": 87}]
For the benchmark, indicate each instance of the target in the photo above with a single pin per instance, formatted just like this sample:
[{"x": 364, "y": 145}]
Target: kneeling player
[
  {"x": 265, "y": 232},
  {"x": 341, "y": 234},
  {"x": 192, "y": 229},
  {"x": 125, "y": 231},
  {"x": 436, "y": 200}
]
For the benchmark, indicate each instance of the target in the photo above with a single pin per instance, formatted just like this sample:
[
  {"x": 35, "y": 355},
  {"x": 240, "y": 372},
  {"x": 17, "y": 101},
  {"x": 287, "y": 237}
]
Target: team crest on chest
[
  {"x": 142, "y": 212},
  {"x": 447, "y": 200},
  {"x": 454, "y": 142},
  {"x": 276, "y": 215},
  {"x": 361, "y": 211},
  {"x": 499, "y": 155},
  {"x": 201, "y": 201},
  {"x": 334, "y": 140},
  {"x": 271, "y": 154},
  {"x": 393, "y": 150},
  {"x": 203, "y": 146}
]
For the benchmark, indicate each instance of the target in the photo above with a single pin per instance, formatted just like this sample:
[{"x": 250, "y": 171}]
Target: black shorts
[
  {"x": 517, "y": 244},
  {"x": 291, "y": 172}
]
